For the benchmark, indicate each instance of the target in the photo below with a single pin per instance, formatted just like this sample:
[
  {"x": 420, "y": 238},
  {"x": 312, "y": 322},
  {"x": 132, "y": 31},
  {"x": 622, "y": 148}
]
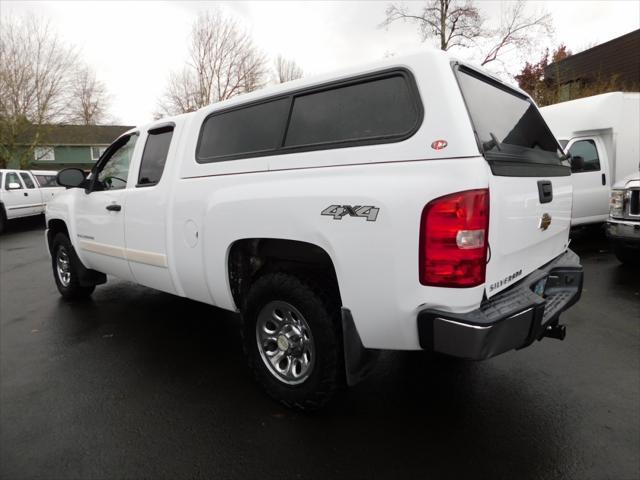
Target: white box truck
[{"x": 602, "y": 134}]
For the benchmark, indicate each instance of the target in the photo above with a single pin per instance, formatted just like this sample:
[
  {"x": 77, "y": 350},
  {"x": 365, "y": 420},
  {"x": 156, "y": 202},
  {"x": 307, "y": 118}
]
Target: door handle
[
  {"x": 25, "y": 194},
  {"x": 604, "y": 179},
  {"x": 545, "y": 191},
  {"x": 114, "y": 207}
]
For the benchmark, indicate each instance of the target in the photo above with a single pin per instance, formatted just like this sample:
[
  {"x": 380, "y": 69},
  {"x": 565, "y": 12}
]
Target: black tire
[
  {"x": 3, "y": 219},
  {"x": 628, "y": 256},
  {"x": 320, "y": 311},
  {"x": 71, "y": 288}
]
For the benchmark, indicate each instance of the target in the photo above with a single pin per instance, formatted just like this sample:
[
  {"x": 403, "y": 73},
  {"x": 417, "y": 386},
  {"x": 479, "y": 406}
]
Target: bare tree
[
  {"x": 459, "y": 23},
  {"x": 286, "y": 70},
  {"x": 518, "y": 29},
  {"x": 454, "y": 22},
  {"x": 35, "y": 69},
  {"x": 90, "y": 100},
  {"x": 181, "y": 94},
  {"x": 223, "y": 62}
]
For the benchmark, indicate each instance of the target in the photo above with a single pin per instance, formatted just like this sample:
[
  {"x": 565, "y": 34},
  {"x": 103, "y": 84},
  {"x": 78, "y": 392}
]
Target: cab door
[
  {"x": 100, "y": 211},
  {"x": 147, "y": 207},
  {"x": 590, "y": 179},
  {"x": 15, "y": 197},
  {"x": 33, "y": 194}
]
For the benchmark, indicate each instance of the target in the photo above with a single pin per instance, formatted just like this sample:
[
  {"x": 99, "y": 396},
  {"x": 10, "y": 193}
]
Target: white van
[{"x": 602, "y": 134}]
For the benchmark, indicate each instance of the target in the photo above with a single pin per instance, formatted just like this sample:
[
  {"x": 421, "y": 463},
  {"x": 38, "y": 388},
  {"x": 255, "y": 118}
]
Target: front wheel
[
  {"x": 291, "y": 337},
  {"x": 65, "y": 270}
]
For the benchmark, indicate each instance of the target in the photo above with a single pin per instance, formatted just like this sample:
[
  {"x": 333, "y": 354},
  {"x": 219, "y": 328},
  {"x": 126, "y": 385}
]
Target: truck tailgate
[{"x": 524, "y": 232}]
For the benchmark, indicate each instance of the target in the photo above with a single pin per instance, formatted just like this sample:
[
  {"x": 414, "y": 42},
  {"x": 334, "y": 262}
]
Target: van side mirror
[
  {"x": 71, "y": 178},
  {"x": 577, "y": 163},
  {"x": 13, "y": 186}
]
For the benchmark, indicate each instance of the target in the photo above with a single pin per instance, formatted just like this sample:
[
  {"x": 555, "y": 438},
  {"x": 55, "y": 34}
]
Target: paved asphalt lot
[{"x": 137, "y": 383}]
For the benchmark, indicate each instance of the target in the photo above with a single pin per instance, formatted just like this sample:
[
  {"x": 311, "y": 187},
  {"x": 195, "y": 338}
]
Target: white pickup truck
[
  {"x": 417, "y": 203},
  {"x": 24, "y": 193}
]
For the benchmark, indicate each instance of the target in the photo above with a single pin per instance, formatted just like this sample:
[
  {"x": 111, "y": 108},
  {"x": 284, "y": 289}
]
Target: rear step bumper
[{"x": 512, "y": 319}]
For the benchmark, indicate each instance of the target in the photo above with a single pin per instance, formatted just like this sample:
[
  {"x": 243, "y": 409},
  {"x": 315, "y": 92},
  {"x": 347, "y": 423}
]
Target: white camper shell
[{"x": 604, "y": 131}]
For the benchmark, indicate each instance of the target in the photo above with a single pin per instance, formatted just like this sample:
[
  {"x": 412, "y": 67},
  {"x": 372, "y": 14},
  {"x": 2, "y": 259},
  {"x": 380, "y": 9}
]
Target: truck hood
[{"x": 629, "y": 181}]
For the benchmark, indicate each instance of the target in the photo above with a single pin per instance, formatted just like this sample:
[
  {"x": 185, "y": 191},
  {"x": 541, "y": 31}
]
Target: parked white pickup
[
  {"x": 24, "y": 193},
  {"x": 417, "y": 203}
]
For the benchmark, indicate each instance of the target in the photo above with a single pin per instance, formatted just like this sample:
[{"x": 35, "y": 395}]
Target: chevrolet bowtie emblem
[{"x": 545, "y": 221}]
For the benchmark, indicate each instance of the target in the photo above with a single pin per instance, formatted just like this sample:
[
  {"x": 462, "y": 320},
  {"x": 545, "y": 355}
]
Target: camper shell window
[
  {"x": 510, "y": 131},
  {"x": 379, "y": 108}
]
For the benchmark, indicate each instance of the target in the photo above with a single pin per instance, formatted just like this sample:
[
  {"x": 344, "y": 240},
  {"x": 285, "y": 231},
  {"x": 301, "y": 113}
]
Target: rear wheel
[
  {"x": 292, "y": 341},
  {"x": 65, "y": 266},
  {"x": 3, "y": 219}
]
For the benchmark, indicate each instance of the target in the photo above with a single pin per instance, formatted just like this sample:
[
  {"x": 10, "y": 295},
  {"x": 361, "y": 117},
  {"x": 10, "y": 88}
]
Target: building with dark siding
[{"x": 616, "y": 61}]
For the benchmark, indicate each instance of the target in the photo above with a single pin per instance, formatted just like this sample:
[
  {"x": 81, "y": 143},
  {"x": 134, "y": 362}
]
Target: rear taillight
[{"x": 453, "y": 239}]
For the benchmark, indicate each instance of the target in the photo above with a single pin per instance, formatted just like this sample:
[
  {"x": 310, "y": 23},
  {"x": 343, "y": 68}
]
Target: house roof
[
  {"x": 615, "y": 57},
  {"x": 75, "y": 134}
]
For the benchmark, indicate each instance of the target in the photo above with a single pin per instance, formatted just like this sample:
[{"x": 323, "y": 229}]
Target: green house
[{"x": 63, "y": 146}]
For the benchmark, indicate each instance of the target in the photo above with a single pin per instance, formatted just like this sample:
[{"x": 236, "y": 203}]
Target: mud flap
[
  {"x": 358, "y": 360},
  {"x": 86, "y": 276}
]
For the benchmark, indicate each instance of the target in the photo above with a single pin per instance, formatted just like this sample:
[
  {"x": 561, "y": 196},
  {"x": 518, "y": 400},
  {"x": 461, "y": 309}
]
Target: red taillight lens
[{"x": 453, "y": 239}]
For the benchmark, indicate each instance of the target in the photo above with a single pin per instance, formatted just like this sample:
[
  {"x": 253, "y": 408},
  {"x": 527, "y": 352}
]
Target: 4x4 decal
[{"x": 339, "y": 211}]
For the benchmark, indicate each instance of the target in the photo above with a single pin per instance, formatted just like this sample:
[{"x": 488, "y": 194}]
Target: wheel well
[
  {"x": 252, "y": 257},
  {"x": 53, "y": 228}
]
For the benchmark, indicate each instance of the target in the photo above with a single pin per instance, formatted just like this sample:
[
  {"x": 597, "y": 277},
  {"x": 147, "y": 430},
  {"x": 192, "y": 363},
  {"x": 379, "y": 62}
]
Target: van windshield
[{"x": 508, "y": 125}]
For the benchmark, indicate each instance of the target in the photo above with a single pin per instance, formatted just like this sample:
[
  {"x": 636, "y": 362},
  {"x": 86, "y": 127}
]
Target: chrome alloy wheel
[
  {"x": 285, "y": 342},
  {"x": 63, "y": 266}
]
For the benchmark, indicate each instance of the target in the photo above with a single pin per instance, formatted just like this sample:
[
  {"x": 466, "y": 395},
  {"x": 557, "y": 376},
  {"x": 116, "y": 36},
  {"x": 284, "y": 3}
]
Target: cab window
[
  {"x": 114, "y": 170},
  {"x": 585, "y": 149},
  {"x": 27, "y": 180},
  {"x": 10, "y": 178},
  {"x": 154, "y": 156}
]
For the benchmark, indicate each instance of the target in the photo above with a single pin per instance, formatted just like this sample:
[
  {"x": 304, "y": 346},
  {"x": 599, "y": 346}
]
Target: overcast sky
[{"x": 133, "y": 45}]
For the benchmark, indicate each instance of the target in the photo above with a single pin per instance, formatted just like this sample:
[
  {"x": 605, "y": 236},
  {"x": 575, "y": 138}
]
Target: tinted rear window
[
  {"x": 508, "y": 125},
  {"x": 375, "y": 109},
  {"x": 155, "y": 156},
  {"x": 253, "y": 129}
]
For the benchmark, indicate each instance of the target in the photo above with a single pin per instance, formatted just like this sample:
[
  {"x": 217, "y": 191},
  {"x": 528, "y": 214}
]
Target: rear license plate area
[{"x": 539, "y": 287}]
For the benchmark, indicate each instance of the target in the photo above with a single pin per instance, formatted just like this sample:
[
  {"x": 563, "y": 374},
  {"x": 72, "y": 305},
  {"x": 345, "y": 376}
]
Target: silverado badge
[{"x": 545, "y": 221}]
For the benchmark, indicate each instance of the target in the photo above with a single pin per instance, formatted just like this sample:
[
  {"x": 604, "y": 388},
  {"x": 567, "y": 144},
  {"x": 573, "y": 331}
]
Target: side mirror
[
  {"x": 577, "y": 164},
  {"x": 14, "y": 186},
  {"x": 71, "y": 177}
]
